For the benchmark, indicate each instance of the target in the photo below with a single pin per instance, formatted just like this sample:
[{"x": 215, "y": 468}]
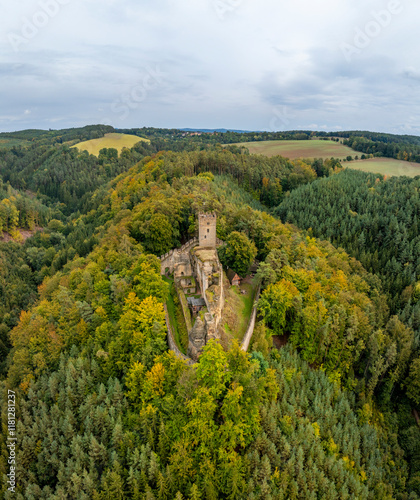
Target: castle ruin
[
  {"x": 197, "y": 269},
  {"x": 207, "y": 230}
]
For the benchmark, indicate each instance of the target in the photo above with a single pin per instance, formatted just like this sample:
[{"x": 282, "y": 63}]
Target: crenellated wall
[{"x": 174, "y": 257}]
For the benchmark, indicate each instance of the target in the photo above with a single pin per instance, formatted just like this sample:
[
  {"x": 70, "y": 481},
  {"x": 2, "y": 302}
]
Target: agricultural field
[
  {"x": 326, "y": 149},
  {"x": 299, "y": 149},
  {"x": 117, "y": 141},
  {"x": 386, "y": 166}
]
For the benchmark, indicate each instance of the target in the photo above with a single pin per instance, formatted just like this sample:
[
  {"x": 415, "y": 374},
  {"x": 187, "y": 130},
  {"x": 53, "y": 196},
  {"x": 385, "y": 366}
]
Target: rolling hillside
[
  {"x": 327, "y": 149},
  {"x": 112, "y": 140},
  {"x": 299, "y": 149},
  {"x": 387, "y": 166}
]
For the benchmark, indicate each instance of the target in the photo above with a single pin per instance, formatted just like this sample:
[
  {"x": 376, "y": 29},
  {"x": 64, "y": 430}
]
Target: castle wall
[
  {"x": 172, "y": 258},
  {"x": 182, "y": 262},
  {"x": 218, "y": 316}
]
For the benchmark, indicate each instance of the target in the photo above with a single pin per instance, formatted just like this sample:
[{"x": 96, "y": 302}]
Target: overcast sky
[{"x": 242, "y": 64}]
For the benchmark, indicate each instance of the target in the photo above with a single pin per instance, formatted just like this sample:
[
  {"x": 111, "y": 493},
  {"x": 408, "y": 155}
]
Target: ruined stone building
[
  {"x": 197, "y": 269},
  {"x": 207, "y": 230}
]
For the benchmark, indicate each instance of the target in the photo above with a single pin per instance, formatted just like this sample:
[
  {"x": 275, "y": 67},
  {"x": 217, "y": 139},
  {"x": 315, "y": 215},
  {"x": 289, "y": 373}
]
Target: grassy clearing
[
  {"x": 10, "y": 143},
  {"x": 238, "y": 308},
  {"x": 176, "y": 317},
  {"x": 299, "y": 149},
  {"x": 117, "y": 141},
  {"x": 386, "y": 166}
]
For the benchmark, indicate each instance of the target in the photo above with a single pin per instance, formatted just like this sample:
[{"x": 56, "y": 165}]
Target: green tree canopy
[{"x": 238, "y": 253}]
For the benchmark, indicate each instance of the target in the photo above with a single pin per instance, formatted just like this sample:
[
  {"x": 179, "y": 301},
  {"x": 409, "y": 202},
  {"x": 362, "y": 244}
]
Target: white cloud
[{"x": 230, "y": 70}]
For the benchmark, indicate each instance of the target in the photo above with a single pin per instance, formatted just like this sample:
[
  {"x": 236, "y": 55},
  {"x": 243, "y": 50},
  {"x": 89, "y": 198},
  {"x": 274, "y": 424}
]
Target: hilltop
[
  {"x": 299, "y": 149},
  {"x": 110, "y": 140}
]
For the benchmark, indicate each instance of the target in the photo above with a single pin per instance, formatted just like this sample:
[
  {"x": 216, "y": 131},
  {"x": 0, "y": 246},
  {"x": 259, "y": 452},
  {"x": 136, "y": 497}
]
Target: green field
[
  {"x": 327, "y": 149},
  {"x": 386, "y": 166},
  {"x": 299, "y": 149},
  {"x": 10, "y": 143},
  {"x": 117, "y": 141}
]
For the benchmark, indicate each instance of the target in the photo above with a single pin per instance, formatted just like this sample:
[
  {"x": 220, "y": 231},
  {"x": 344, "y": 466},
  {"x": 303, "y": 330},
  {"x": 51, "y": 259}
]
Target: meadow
[
  {"x": 386, "y": 166},
  {"x": 326, "y": 149},
  {"x": 299, "y": 149},
  {"x": 113, "y": 140}
]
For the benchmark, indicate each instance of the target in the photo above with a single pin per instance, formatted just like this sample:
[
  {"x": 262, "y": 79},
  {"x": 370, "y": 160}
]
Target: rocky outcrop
[
  {"x": 197, "y": 337},
  {"x": 202, "y": 332}
]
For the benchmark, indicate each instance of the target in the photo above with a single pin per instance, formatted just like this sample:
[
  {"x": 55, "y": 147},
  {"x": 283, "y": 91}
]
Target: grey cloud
[{"x": 229, "y": 72}]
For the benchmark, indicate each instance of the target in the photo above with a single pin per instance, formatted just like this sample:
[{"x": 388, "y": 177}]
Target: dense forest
[
  {"x": 106, "y": 411},
  {"x": 407, "y": 151},
  {"x": 400, "y": 147},
  {"x": 376, "y": 219},
  {"x": 58, "y": 136},
  {"x": 21, "y": 210}
]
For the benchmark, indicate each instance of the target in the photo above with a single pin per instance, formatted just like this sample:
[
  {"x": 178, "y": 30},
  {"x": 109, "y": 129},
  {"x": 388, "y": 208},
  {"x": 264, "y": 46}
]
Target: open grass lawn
[
  {"x": 299, "y": 149},
  {"x": 117, "y": 141},
  {"x": 386, "y": 166},
  {"x": 176, "y": 317},
  {"x": 238, "y": 308}
]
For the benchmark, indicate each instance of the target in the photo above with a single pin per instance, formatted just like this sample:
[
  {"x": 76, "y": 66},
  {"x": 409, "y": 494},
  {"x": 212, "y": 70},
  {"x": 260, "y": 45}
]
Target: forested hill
[
  {"x": 48, "y": 184},
  {"x": 400, "y": 147},
  {"x": 68, "y": 176},
  {"x": 58, "y": 136},
  {"x": 373, "y": 218},
  {"x": 62, "y": 174},
  {"x": 404, "y": 148},
  {"x": 106, "y": 411},
  {"x": 21, "y": 215},
  {"x": 19, "y": 210},
  {"x": 379, "y": 137}
]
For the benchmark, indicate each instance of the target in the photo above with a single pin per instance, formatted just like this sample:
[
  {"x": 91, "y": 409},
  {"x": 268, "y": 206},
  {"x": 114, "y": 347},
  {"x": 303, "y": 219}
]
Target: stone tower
[{"x": 207, "y": 230}]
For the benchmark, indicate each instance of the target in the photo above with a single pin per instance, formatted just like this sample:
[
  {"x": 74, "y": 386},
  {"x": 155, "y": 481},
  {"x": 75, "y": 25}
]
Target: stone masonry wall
[
  {"x": 207, "y": 230},
  {"x": 168, "y": 260}
]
